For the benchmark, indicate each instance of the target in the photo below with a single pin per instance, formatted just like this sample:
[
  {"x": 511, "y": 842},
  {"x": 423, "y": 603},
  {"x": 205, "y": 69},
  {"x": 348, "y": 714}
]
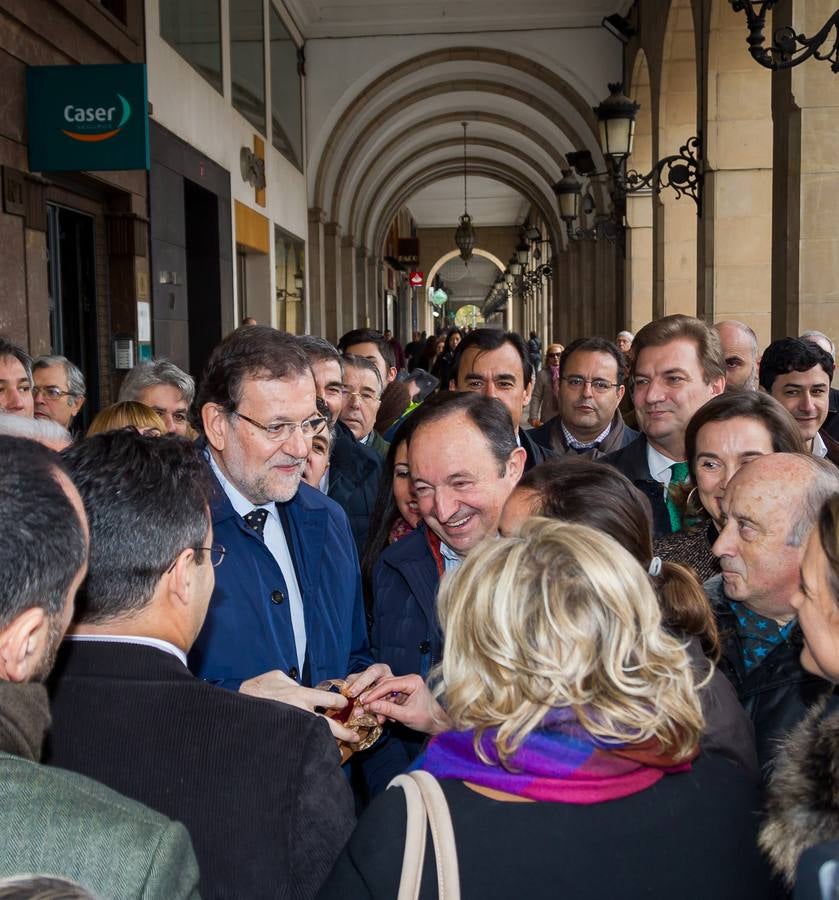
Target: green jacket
[{"x": 60, "y": 823}]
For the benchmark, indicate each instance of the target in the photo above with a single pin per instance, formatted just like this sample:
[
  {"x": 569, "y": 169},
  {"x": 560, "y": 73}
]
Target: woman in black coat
[{"x": 572, "y": 767}]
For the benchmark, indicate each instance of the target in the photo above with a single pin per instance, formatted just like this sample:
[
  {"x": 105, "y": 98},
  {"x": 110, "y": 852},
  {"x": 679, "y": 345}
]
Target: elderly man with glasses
[
  {"x": 59, "y": 389},
  {"x": 287, "y": 609}
]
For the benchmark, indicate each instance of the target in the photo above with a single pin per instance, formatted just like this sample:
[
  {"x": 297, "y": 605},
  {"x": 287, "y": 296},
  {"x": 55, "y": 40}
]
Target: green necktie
[{"x": 678, "y": 474}]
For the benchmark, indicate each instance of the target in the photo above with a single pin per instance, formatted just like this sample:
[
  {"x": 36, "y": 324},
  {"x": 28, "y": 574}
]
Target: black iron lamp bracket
[
  {"x": 789, "y": 48},
  {"x": 682, "y": 172},
  {"x": 605, "y": 228}
]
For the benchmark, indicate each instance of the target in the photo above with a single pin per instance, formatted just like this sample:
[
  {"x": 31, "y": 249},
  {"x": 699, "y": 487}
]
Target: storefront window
[
  {"x": 286, "y": 100},
  {"x": 247, "y": 60},
  {"x": 289, "y": 259},
  {"x": 193, "y": 28}
]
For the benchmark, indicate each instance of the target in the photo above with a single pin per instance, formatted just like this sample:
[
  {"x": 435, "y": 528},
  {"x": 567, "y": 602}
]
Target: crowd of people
[{"x": 582, "y": 608}]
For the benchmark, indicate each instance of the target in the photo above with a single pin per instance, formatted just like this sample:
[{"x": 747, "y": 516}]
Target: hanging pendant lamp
[{"x": 464, "y": 237}]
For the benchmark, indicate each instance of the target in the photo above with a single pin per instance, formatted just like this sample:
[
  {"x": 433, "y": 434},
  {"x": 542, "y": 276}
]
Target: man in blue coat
[{"x": 287, "y": 612}]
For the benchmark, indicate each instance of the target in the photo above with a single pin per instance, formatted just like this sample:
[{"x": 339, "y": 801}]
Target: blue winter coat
[
  {"x": 248, "y": 628},
  {"x": 406, "y": 635},
  {"x": 405, "y": 632}
]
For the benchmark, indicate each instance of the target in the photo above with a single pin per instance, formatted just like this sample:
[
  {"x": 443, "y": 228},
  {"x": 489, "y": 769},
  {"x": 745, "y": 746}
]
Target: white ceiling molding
[{"x": 353, "y": 18}]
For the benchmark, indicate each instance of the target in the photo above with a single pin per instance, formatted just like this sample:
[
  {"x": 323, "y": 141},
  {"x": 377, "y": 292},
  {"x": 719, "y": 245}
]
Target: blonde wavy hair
[{"x": 562, "y": 616}]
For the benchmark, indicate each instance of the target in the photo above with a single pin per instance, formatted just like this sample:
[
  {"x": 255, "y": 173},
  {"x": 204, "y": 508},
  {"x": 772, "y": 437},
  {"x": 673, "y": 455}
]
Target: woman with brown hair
[{"x": 726, "y": 433}]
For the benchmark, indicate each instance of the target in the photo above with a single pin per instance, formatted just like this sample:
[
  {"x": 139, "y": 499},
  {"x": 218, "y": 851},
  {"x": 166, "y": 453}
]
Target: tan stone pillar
[
  {"x": 813, "y": 295},
  {"x": 315, "y": 281},
  {"x": 736, "y": 226},
  {"x": 362, "y": 274},
  {"x": 639, "y": 262},
  {"x": 349, "y": 300},
  {"x": 333, "y": 280}
]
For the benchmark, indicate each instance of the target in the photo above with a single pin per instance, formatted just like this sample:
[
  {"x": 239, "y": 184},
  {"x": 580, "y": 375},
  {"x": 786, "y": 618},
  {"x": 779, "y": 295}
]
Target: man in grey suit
[{"x": 57, "y": 822}]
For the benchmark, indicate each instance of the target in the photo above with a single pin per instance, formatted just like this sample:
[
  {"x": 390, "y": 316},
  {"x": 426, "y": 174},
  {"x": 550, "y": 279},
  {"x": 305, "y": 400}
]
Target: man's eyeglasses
[
  {"x": 216, "y": 555},
  {"x": 282, "y": 431},
  {"x": 598, "y": 385},
  {"x": 365, "y": 396},
  {"x": 51, "y": 392}
]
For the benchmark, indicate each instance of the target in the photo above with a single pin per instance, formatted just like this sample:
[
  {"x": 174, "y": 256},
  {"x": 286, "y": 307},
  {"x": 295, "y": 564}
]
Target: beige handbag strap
[{"x": 426, "y": 803}]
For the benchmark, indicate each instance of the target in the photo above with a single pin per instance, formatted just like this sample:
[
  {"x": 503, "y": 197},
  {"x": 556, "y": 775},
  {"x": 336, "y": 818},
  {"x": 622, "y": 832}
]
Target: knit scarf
[
  {"x": 555, "y": 382},
  {"x": 24, "y": 719},
  {"x": 559, "y": 762}
]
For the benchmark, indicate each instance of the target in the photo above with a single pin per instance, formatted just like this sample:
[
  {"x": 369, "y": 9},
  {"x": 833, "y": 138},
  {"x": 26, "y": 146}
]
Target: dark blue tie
[{"x": 255, "y": 519}]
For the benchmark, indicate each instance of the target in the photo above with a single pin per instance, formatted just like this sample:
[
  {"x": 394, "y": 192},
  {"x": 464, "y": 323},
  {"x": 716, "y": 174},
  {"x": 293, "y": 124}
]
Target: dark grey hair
[
  {"x": 75, "y": 379},
  {"x": 318, "y": 349},
  {"x": 151, "y": 374},
  {"x": 487, "y": 414},
  {"x": 7, "y": 348},
  {"x": 42, "y": 554}
]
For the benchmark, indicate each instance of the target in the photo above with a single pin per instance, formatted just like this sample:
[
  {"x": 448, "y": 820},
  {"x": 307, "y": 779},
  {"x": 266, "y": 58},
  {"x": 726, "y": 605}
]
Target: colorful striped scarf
[{"x": 559, "y": 761}]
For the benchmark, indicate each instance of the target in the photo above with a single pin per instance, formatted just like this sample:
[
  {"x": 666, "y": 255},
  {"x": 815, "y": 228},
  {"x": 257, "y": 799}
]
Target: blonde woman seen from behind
[{"x": 571, "y": 766}]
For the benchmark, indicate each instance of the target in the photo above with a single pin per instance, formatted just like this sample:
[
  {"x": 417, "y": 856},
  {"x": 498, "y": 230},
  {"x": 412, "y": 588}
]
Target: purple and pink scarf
[{"x": 559, "y": 762}]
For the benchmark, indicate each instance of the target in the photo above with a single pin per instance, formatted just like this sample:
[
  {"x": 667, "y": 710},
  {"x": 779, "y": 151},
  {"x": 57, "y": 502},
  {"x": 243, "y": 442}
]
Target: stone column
[
  {"x": 333, "y": 281},
  {"x": 314, "y": 310},
  {"x": 736, "y": 224},
  {"x": 374, "y": 289},
  {"x": 349, "y": 302},
  {"x": 805, "y": 244},
  {"x": 362, "y": 273}
]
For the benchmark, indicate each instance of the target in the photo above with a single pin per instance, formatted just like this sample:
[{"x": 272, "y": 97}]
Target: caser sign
[
  {"x": 90, "y": 118},
  {"x": 86, "y": 121}
]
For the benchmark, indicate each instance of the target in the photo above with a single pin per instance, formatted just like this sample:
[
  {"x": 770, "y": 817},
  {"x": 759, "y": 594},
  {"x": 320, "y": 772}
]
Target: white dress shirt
[
  {"x": 659, "y": 465},
  {"x": 275, "y": 541},
  {"x": 143, "y": 640},
  {"x": 819, "y": 447}
]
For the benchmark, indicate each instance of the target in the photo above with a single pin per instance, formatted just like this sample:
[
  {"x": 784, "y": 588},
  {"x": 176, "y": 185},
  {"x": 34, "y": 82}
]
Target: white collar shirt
[{"x": 275, "y": 540}]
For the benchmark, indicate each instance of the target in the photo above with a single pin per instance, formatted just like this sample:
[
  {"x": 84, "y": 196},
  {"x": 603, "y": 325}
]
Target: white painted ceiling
[
  {"x": 348, "y": 18},
  {"x": 489, "y": 203}
]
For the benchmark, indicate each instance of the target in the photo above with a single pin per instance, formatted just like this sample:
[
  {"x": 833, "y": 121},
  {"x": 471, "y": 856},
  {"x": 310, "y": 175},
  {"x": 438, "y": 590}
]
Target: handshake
[{"x": 356, "y": 707}]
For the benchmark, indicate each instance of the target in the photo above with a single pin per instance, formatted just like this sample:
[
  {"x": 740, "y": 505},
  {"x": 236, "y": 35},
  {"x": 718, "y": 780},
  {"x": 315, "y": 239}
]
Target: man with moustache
[
  {"x": 591, "y": 373},
  {"x": 760, "y": 549}
]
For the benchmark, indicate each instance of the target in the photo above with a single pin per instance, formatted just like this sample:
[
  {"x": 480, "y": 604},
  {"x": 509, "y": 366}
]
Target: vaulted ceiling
[{"x": 391, "y": 82}]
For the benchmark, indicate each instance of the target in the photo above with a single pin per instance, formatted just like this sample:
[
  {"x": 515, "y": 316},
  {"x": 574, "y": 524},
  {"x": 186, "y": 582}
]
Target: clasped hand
[{"x": 276, "y": 685}]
